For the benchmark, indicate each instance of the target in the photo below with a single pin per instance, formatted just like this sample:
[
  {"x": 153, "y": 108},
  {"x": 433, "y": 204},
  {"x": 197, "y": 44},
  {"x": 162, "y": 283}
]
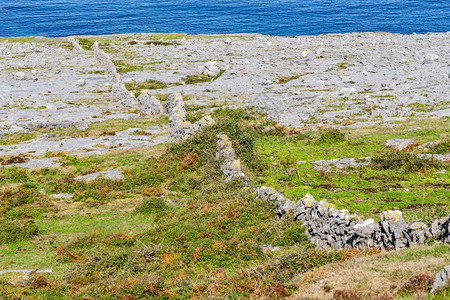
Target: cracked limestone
[{"x": 230, "y": 165}]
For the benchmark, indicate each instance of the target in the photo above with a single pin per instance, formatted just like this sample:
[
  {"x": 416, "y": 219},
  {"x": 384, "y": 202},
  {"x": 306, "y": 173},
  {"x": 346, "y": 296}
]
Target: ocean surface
[{"x": 54, "y": 18}]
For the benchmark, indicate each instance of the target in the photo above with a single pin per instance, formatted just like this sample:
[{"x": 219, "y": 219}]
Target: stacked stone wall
[{"x": 330, "y": 228}]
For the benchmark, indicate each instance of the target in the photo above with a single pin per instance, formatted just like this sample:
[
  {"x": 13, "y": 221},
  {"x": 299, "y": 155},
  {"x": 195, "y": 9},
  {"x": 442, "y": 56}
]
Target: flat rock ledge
[
  {"x": 61, "y": 196},
  {"x": 37, "y": 163},
  {"x": 110, "y": 175}
]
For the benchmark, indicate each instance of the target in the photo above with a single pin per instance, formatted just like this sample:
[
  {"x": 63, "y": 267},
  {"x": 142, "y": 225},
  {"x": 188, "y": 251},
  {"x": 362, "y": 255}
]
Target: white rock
[
  {"x": 20, "y": 76},
  {"x": 431, "y": 57},
  {"x": 81, "y": 82},
  {"x": 305, "y": 53}
]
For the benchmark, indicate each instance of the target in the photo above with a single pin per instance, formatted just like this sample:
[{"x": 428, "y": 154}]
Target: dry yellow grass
[{"x": 379, "y": 276}]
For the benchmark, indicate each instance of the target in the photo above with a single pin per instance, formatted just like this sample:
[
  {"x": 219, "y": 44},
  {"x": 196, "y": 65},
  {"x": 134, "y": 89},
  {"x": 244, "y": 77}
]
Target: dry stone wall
[
  {"x": 75, "y": 44},
  {"x": 119, "y": 91},
  {"x": 179, "y": 128},
  {"x": 230, "y": 164},
  {"x": 328, "y": 227}
]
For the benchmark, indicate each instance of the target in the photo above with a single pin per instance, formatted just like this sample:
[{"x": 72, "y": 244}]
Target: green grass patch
[
  {"x": 145, "y": 85},
  {"x": 162, "y": 43},
  {"x": 405, "y": 161},
  {"x": 17, "y": 230},
  {"x": 192, "y": 79},
  {"x": 86, "y": 43},
  {"x": 123, "y": 67}
]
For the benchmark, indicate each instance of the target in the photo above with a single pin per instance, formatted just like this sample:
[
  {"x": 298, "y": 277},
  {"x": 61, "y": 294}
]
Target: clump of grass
[
  {"x": 17, "y": 230},
  {"x": 126, "y": 68},
  {"x": 203, "y": 145},
  {"x": 152, "y": 205},
  {"x": 150, "y": 84},
  {"x": 442, "y": 147},
  {"x": 406, "y": 161},
  {"x": 192, "y": 79},
  {"x": 285, "y": 79},
  {"x": 22, "y": 195},
  {"x": 86, "y": 43},
  {"x": 161, "y": 43},
  {"x": 330, "y": 136}
]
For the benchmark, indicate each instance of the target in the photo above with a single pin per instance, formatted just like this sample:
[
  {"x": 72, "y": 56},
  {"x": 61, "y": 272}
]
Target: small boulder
[
  {"x": 430, "y": 57},
  {"x": 20, "y": 76},
  {"x": 81, "y": 82},
  {"x": 210, "y": 69},
  {"x": 442, "y": 280}
]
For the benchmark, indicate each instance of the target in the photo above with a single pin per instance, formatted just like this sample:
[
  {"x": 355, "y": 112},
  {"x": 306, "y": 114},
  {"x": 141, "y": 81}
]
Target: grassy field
[{"x": 173, "y": 229}]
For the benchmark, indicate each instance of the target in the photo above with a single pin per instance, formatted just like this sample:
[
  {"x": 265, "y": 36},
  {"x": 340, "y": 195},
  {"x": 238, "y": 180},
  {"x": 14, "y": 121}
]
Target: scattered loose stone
[
  {"x": 26, "y": 272},
  {"x": 110, "y": 175},
  {"x": 440, "y": 157},
  {"x": 269, "y": 248},
  {"x": 348, "y": 91},
  {"x": 20, "y": 76}
]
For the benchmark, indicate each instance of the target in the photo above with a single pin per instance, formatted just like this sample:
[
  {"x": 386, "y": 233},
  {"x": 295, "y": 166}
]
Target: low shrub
[
  {"x": 442, "y": 147},
  {"x": 405, "y": 161},
  {"x": 153, "y": 205},
  {"x": 150, "y": 84},
  {"x": 330, "y": 136},
  {"x": 16, "y": 230}
]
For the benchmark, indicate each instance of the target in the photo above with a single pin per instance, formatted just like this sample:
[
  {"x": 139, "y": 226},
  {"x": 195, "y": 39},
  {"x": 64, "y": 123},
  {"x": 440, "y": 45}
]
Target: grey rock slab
[
  {"x": 61, "y": 196},
  {"x": 110, "y": 175},
  {"x": 38, "y": 163},
  {"x": 26, "y": 272},
  {"x": 440, "y": 157},
  {"x": 340, "y": 163},
  {"x": 399, "y": 144},
  {"x": 39, "y": 146}
]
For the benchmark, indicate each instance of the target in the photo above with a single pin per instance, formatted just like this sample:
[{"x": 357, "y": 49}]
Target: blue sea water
[{"x": 54, "y": 18}]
